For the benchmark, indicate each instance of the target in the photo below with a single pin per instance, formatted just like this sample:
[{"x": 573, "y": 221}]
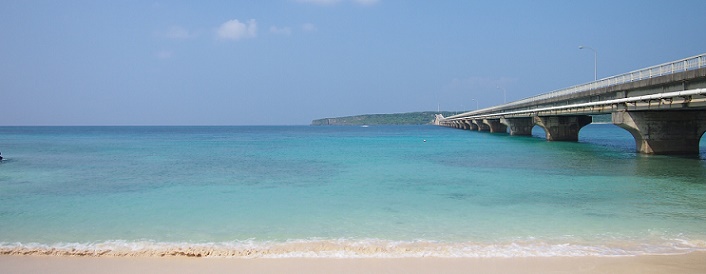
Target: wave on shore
[{"x": 346, "y": 249}]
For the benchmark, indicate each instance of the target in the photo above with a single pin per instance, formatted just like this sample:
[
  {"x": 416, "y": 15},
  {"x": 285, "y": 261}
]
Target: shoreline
[
  {"x": 348, "y": 249},
  {"x": 694, "y": 262}
]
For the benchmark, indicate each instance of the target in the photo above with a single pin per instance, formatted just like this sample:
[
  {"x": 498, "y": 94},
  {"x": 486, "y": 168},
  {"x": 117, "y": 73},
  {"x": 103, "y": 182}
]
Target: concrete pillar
[
  {"x": 467, "y": 125},
  {"x": 664, "y": 132},
  {"x": 562, "y": 128},
  {"x": 495, "y": 125},
  {"x": 472, "y": 126},
  {"x": 519, "y": 126},
  {"x": 461, "y": 124},
  {"x": 480, "y": 125}
]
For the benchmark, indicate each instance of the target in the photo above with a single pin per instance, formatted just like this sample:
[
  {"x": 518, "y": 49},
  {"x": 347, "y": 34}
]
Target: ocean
[{"x": 343, "y": 191}]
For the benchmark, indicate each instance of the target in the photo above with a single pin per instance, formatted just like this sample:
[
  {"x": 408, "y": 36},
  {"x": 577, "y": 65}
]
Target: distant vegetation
[{"x": 410, "y": 118}]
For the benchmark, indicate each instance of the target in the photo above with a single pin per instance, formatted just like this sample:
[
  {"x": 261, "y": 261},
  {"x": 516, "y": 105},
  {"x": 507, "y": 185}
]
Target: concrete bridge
[{"x": 663, "y": 107}]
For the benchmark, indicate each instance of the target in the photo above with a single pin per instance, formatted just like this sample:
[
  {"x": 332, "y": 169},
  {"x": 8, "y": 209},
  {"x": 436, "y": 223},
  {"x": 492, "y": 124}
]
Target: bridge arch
[
  {"x": 519, "y": 126},
  {"x": 562, "y": 128},
  {"x": 664, "y": 132}
]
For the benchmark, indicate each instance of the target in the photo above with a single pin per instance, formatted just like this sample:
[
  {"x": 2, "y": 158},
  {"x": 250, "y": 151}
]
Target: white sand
[{"x": 689, "y": 263}]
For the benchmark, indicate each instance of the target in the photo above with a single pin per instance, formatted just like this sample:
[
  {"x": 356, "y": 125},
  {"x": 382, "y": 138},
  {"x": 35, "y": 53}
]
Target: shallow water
[{"x": 344, "y": 191}]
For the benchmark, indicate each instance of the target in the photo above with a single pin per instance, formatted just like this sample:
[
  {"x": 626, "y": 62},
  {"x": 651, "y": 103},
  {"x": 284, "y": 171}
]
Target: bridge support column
[
  {"x": 471, "y": 125},
  {"x": 664, "y": 132},
  {"x": 519, "y": 126},
  {"x": 481, "y": 126},
  {"x": 460, "y": 125},
  {"x": 563, "y": 128},
  {"x": 495, "y": 125},
  {"x": 464, "y": 125}
]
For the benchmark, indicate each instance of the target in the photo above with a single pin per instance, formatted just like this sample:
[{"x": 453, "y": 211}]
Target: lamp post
[
  {"x": 476, "y": 103},
  {"x": 595, "y": 61}
]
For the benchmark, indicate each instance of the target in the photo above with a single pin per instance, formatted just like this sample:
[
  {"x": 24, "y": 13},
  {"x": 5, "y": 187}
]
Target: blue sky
[{"x": 287, "y": 62}]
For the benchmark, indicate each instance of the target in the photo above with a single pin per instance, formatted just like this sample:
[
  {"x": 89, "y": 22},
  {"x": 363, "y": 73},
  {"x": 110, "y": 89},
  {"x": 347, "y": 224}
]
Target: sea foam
[{"x": 345, "y": 248}]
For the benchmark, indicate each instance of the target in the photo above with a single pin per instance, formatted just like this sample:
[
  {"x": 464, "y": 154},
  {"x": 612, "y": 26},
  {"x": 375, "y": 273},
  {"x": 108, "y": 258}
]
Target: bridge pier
[
  {"x": 495, "y": 125},
  {"x": 463, "y": 125},
  {"x": 519, "y": 126},
  {"x": 471, "y": 125},
  {"x": 562, "y": 128},
  {"x": 664, "y": 132},
  {"x": 480, "y": 125}
]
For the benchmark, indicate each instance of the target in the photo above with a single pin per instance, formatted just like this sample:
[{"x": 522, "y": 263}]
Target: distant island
[{"x": 410, "y": 118}]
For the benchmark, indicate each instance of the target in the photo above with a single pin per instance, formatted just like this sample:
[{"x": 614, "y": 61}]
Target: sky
[{"x": 287, "y": 62}]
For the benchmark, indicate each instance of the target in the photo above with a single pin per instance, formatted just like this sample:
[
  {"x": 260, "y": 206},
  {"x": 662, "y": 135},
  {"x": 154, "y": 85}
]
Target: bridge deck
[
  {"x": 681, "y": 75},
  {"x": 663, "y": 107}
]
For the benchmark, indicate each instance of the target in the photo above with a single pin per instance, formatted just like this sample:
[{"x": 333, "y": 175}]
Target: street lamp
[{"x": 595, "y": 61}]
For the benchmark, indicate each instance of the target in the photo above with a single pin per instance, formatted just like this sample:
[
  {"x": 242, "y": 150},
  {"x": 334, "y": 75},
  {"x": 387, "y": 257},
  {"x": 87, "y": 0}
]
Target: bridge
[{"x": 663, "y": 107}]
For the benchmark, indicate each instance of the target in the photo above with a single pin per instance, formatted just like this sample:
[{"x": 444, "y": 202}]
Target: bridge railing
[{"x": 691, "y": 63}]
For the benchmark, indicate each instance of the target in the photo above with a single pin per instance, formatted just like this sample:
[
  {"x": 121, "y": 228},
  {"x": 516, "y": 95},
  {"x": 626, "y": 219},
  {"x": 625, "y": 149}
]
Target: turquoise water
[{"x": 398, "y": 191}]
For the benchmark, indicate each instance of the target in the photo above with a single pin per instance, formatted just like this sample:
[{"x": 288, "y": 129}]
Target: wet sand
[{"x": 688, "y": 263}]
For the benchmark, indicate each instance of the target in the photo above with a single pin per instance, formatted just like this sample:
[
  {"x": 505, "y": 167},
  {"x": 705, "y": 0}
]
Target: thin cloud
[
  {"x": 164, "y": 54},
  {"x": 235, "y": 30},
  {"x": 281, "y": 31},
  {"x": 366, "y": 2},
  {"x": 309, "y": 27},
  {"x": 179, "y": 33}
]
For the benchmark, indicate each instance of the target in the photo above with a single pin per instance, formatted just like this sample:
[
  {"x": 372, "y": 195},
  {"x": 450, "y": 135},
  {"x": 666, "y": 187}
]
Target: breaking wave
[{"x": 345, "y": 248}]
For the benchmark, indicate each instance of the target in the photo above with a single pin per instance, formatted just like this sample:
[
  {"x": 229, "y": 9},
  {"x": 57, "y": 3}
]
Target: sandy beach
[{"x": 688, "y": 263}]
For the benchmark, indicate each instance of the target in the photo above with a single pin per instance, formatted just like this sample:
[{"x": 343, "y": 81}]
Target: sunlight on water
[{"x": 383, "y": 190}]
